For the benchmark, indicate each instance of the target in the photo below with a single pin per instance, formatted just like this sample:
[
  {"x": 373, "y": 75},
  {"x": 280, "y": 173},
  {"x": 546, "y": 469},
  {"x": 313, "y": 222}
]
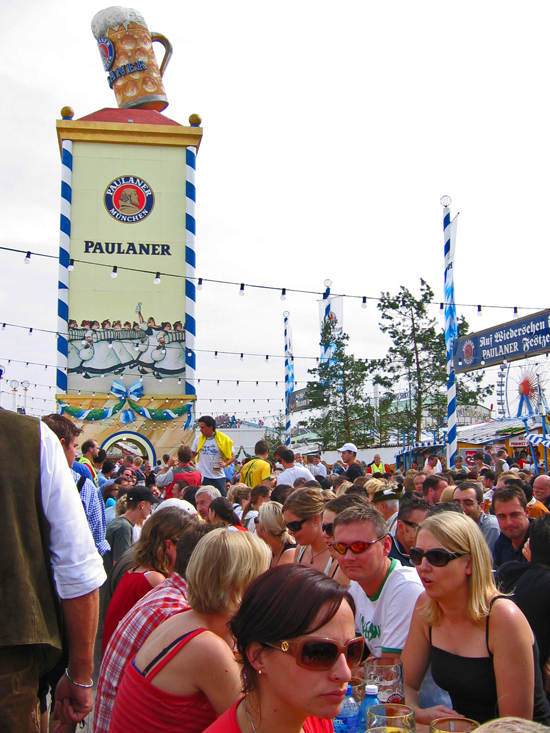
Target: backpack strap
[{"x": 80, "y": 483}]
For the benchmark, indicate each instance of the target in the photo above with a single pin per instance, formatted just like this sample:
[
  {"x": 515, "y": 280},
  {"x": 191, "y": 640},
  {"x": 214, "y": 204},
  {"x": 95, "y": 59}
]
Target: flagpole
[
  {"x": 451, "y": 326},
  {"x": 288, "y": 380}
]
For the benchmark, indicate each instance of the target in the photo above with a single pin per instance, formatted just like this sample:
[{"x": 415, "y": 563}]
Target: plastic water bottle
[
  {"x": 371, "y": 698},
  {"x": 347, "y": 720}
]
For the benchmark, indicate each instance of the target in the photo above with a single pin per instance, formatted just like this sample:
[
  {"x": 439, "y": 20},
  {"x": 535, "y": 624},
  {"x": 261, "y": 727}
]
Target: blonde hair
[
  {"x": 511, "y": 725},
  {"x": 374, "y": 485},
  {"x": 138, "y": 461},
  {"x": 458, "y": 533},
  {"x": 306, "y": 503},
  {"x": 342, "y": 488},
  {"x": 271, "y": 519},
  {"x": 222, "y": 565},
  {"x": 121, "y": 506},
  {"x": 447, "y": 494}
]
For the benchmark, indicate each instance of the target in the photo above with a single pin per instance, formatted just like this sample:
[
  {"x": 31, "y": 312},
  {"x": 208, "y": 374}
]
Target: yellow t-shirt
[{"x": 255, "y": 471}]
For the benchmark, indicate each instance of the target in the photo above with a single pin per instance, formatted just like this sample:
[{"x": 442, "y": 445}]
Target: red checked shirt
[{"x": 164, "y": 601}]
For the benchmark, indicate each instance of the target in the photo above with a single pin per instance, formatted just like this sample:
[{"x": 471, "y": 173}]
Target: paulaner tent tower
[{"x": 126, "y": 307}]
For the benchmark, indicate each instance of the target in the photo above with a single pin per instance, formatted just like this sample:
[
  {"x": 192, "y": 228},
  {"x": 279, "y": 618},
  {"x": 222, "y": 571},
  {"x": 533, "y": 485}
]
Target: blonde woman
[
  {"x": 185, "y": 675},
  {"x": 270, "y": 527},
  {"x": 154, "y": 558},
  {"x": 478, "y": 642},
  {"x": 302, "y": 514},
  {"x": 374, "y": 485}
]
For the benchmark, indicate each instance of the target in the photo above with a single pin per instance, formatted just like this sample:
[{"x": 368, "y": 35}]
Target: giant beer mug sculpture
[{"x": 126, "y": 49}]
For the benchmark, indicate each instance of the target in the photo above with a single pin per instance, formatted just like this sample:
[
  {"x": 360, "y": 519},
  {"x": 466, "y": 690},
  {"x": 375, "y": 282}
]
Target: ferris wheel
[{"x": 521, "y": 388}]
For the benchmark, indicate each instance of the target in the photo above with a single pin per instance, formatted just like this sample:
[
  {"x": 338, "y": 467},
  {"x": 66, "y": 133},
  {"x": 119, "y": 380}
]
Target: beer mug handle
[{"x": 168, "y": 50}]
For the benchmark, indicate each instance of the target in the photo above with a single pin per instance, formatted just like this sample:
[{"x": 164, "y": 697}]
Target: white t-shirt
[
  {"x": 384, "y": 619},
  {"x": 208, "y": 456},
  {"x": 318, "y": 470},
  {"x": 289, "y": 475},
  {"x": 76, "y": 564}
]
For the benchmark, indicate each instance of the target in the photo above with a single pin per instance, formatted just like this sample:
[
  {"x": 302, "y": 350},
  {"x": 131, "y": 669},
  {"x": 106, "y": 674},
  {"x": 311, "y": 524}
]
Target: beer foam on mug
[{"x": 113, "y": 18}]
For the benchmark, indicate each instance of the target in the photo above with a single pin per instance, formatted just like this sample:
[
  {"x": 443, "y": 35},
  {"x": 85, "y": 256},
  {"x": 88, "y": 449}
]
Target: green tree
[
  {"x": 415, "y": 364},
  {"x": 276, "y": 437},
  {"x": 338, "y": 394}
]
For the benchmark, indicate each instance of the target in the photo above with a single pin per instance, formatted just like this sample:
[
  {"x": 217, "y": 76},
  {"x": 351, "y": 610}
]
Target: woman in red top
[
  {"x": 295, "y": 634},
  {"x": 155, "y": 555},
  {"x": 185, "y": 674}
]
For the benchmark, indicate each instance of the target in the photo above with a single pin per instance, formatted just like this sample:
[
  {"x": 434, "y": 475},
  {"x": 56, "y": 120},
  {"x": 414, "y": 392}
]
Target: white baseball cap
[{"x": 348, "y": 446}]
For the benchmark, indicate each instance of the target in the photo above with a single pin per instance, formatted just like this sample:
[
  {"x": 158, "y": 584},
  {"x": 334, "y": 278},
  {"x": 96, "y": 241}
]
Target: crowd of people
[{"x": 245, "y": 601}]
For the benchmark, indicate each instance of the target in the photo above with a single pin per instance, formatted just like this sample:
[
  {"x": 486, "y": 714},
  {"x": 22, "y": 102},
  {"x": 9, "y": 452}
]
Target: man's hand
[{"x": 72, "y": 703}]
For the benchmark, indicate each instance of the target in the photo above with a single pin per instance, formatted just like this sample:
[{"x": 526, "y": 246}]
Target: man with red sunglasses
[{"x": 384, "y": 591}]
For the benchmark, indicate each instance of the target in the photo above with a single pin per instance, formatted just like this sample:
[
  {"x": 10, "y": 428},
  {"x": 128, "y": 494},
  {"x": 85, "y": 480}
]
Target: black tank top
[{"x": 471, "y": 682}]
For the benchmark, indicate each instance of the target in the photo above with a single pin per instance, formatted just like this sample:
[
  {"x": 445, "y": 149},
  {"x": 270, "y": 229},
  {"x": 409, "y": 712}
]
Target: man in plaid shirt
[{"x": 159, "y": 604}]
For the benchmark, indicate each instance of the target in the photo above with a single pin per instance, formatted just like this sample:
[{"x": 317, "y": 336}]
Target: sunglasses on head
[
  {"x": 318, "y": 653},
  {"x": 356, "y": 547},
  {"x": 328, "y": 528},
  {"x": 437, "y": 557},
  {"x": 295, "y": 526}
]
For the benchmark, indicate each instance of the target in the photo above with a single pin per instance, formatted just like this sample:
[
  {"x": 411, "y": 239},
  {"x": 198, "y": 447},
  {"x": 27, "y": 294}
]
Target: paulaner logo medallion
[{"x": 129, "y": 199}]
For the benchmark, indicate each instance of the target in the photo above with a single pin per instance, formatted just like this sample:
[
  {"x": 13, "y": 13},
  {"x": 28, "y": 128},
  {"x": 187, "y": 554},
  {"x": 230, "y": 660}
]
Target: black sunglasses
[
  {"x": 438, "y": 558},
  {"x": 318, "y": 653},
  {"x": 328, "y": 528},
  {"x": 295, "y": 526},
  {"x": 414, "y": 525}
]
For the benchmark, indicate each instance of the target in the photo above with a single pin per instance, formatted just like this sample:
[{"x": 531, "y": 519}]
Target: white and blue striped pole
[
  {"x": 64, "y": 260},
  {"x": 190, "y": 266},
  {"x": 289, "y": 377},
  {"x": 326, "y": 349},
  {"x": 451, "y": 326}
]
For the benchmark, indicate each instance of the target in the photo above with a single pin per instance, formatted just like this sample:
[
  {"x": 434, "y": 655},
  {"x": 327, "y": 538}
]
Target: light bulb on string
[
  {"x": 114, "y": 273},
  {"x": 479, "y": 312},
  {"x": 157, "y": 279},
  {"x": 199, "y": 284},
  {"x": 242, "y": 357},
  {"x": 27, "y": 259},
  {"x": 364, "y": 302},
  {"x": 215, "y": 355},
  {"x": 70, "y": 266},
  {"x": 516, "y": 313},
  {"x": 241, "y": 289},
  {"x": 283, "y": 294}
]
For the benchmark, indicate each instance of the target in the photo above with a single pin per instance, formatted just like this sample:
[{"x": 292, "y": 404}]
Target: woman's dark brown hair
[
  {"x": 222, "y": 508},
  {"x": 285, "y": 602}
]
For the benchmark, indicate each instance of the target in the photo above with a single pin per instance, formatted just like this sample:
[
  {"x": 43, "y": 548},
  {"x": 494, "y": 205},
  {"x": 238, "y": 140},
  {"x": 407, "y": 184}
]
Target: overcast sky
[{"x": 330, "y": 134}]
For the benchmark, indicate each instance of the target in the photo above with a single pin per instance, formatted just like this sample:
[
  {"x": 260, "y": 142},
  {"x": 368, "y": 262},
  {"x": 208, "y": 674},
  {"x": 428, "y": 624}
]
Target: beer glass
[
  {"x": 446, "y": 725},
  {"x": 388, "y": 678},
  {"x": 390, "y": 718},
  {"x": 126, "y": 49}
]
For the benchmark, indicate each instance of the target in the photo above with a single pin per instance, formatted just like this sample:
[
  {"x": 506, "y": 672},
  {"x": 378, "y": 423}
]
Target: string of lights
[{"x": 115, "y": 270}]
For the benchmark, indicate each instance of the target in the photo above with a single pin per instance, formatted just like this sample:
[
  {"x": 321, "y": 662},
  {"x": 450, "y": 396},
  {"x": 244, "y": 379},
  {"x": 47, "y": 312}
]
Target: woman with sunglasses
[
  {"x": 270, "y": 527},
  {"x": 297, "y": 645},
  {"x": 480, "y": 645},
  {"x": 302, "y": 514}
]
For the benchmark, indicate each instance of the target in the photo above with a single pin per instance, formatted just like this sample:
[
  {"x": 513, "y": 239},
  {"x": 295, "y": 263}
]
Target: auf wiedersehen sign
[{"x": 516, "y": 339}]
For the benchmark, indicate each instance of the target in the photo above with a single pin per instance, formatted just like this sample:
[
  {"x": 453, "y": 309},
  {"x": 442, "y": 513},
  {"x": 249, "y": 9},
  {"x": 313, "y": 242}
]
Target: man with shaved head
[{"x": 541, "y": 490}]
